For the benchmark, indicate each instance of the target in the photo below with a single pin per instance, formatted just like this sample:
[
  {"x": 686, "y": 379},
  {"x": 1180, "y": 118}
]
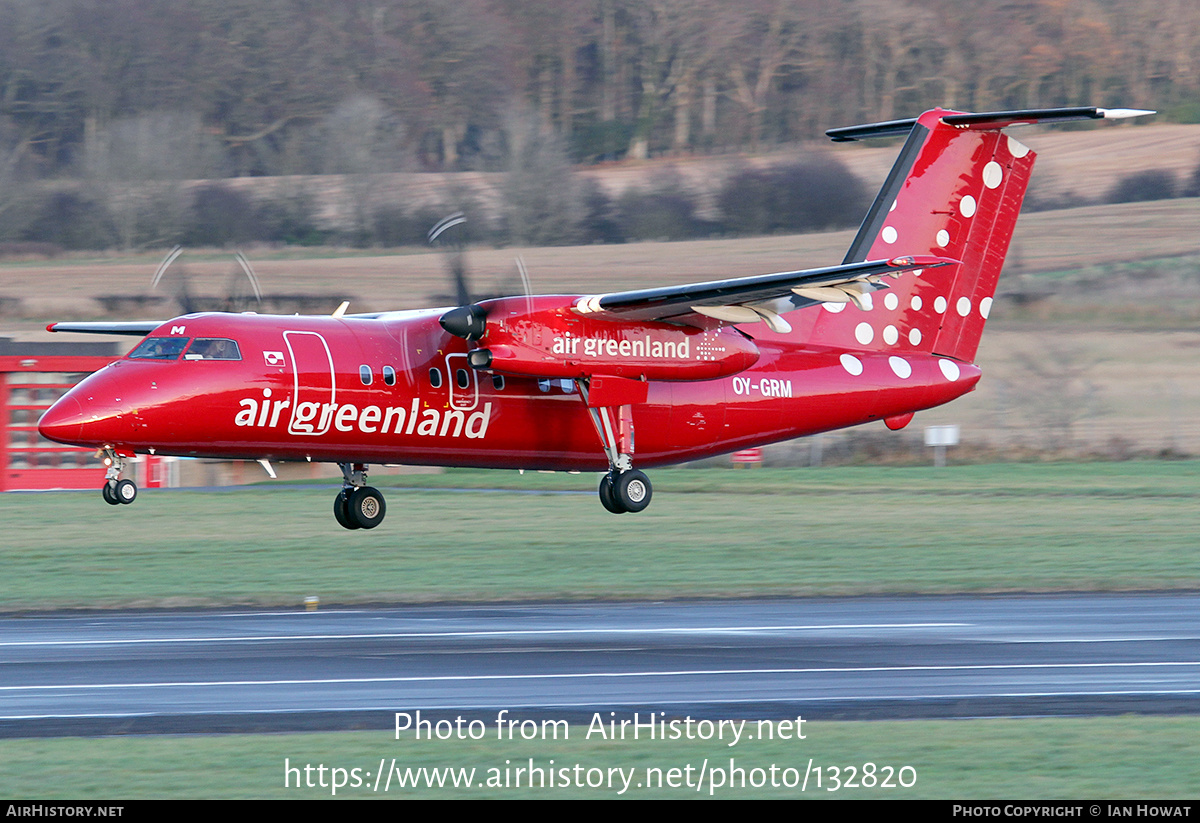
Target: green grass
[
  {"x": 708, "y": 533},
  {"x": 1121, "y": 757}
]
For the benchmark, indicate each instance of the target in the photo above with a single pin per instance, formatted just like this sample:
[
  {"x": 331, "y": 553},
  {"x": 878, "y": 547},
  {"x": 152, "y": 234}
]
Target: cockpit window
[
  {"x": 213, "y": 348},
  {"x": 159, "y": 348}
]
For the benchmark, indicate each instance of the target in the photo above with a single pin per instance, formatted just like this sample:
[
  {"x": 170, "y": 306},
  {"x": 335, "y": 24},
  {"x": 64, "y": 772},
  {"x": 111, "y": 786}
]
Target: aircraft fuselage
[{"x": 398, "y": 389}]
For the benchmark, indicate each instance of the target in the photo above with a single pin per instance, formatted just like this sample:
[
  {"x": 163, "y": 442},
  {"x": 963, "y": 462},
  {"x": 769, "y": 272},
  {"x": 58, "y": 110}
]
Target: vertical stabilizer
[{"x": 955, "y": 191}]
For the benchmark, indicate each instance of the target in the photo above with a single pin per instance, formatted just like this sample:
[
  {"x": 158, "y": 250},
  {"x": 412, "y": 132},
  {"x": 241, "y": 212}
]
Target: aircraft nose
[
  {"x": 62, "y": 422},
  {"x": 67, "y": 422}
]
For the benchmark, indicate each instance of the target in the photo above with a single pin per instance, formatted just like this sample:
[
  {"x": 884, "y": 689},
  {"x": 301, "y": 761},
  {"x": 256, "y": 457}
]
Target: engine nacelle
[{"x": 544, "y": 337}]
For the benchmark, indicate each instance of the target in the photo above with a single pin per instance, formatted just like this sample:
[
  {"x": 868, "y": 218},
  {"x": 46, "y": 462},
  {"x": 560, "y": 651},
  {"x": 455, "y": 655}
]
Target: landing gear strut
[
  {"x": 116, "y": 491},
  {"x": 357, "y": 505},
  {"x": 624, "y": 488}
]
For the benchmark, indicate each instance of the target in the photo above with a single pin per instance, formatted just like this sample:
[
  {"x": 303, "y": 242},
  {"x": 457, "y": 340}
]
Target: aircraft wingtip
[{"x": 1121, "y": 114}]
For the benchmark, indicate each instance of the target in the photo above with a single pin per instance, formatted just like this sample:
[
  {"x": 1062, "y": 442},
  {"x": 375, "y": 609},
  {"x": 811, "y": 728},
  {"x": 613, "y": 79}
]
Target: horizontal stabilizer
[{"x": 986, "y": 120}]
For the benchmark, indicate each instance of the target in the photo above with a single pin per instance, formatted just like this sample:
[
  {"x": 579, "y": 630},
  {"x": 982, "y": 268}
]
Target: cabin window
[
  {"x": 498, "y": 382},
  {"x": 435, "y": 378},
  {"x": 213, "y": 348},
  {"x": 464, "y": 379},
  {"x": 543, "y": 384},
  {"x": 364, "y": 374},
  {"x": 159, "y": 348},
  {"x": 389, "y": 375}
]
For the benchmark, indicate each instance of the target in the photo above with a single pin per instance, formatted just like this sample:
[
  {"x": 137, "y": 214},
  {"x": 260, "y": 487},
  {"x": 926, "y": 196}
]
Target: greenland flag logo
[{"x": 273, "y": 358}]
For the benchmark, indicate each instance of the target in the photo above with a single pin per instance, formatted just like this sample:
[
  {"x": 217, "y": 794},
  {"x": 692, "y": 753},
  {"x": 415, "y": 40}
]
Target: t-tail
[{"x": 955, "y": 191}]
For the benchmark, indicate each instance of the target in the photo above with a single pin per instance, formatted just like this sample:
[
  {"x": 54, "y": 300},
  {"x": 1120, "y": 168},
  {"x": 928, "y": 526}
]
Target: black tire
[
  {"x": 608, "y": 497},
  {"x": 110, "y": 496},
  {"x": 125, "y": 491},
  {"x": 366, "y": 507},
  {"x": 632, "y": 490},
  {"x": 341, "y": 512}
]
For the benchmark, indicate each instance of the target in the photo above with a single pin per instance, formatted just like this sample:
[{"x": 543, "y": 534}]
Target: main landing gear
[
  {"x": 627, "y": 491},
  {"x": 116, "y": 491},
  {"x": 624, "y": 488},
  {"x": 357, "y": 505}
]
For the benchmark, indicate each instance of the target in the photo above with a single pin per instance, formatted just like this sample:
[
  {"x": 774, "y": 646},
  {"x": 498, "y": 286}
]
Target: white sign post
[{"x": 940, "y": 437}]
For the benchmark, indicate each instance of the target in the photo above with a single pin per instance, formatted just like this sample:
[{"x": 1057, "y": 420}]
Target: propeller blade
[
  {"x": 458, "y": 269},
  {"x": 181, "y": 291},
  {"x": 447, "y": 222},
  {"x": 525, "y": 284},
  {"x": 462, "y": 294},
  {"x": 250, "y": 275},
  {"x": 162, "y": 267}
]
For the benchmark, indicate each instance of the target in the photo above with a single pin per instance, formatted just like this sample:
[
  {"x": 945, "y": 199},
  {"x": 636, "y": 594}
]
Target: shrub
[
  {"x": 1154, "y": 184},
  {"x": 807, "y": 195},
  {"x": 394, "y": 226},
  {"x": 290, "y": 219},
  {"x": 1192, "y": 188},
  {"x": 221, "y": 216},
  {"x": 599, "y": 223},
  {"x": 666, "y": 210},
  {"x": 72, "y": 220}
]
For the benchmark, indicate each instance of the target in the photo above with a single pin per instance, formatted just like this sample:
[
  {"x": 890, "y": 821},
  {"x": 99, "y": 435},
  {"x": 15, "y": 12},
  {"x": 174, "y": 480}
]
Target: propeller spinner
[{"x": 468, "y": 322}]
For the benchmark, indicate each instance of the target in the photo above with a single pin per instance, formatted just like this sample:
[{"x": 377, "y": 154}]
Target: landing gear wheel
[
  {"x": 365, "y": 506},
  {"x": 109, "y": 493},
  {"x": 608, "y": 497},
  {"x": 632, "y": 490},
  {"x": 341, "y": 512},
  {"x": 125, "y": 491}
]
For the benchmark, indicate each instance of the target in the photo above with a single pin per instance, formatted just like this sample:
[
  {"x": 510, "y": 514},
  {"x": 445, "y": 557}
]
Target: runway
[{"x": 822, "y": 658}]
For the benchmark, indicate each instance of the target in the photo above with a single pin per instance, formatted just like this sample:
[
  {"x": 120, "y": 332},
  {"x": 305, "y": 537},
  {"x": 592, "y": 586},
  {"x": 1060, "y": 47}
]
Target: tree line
[
  {"x": 113, "y": 113},
  {"x": 212, "y": 88}
]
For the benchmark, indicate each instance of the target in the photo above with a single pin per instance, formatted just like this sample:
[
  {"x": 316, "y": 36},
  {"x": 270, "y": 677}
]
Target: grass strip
[
  {"x": 708, "y": 534},
  {"x": 1087, "y": 758}
]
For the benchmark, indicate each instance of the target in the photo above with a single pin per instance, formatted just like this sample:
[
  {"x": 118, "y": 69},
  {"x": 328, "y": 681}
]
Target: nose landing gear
[
  {"x": 116, "y": 491},
  {"x": 357, "y": 505}
]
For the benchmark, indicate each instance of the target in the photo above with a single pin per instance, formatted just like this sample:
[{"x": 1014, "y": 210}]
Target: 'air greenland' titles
[
  {"x": 310, "y": 418},
  {"x": 610, "y": 347}
]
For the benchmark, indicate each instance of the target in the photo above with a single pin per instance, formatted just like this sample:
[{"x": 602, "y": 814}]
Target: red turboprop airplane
[{"x": 563, "y": 382}]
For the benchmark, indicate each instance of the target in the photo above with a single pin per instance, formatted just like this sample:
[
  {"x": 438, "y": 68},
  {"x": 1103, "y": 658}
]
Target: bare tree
[
  {"x": 136, "y": 166},
  {"x": 1056, "y": 393},
  {"x": 676, "y": 44},
  {"x": 14, "y": 193},
  {"x": 771, "y": 36},
  {"x": 461, "y": 65},
  {"x": 361, "y": 139},
  {"x": 542, "y": 201}
]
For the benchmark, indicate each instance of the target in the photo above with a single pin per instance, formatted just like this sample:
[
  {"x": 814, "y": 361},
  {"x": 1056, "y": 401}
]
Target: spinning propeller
[
  {"x": 234, "y": 299},
  {"x": 469, "y": 320}
]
